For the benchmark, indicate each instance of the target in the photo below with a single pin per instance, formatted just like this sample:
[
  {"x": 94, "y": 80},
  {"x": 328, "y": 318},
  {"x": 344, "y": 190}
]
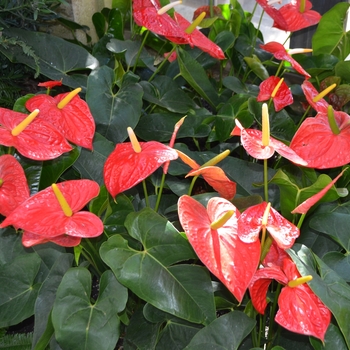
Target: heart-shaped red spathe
[
  {"x": 145, "y": 14},
  {"x": 310, "y": 93},
  {"x": 198, "y": 39},
  {"x": 42, "y": 214},
  {"x": 125, "y": 168},
  {"x": 319, "y": 146},
  {"x": 282, "y": 231},
  {"x": 38, "y": 141},
  {"x": 289, "y": 17},
  {"x": 283, "y": 96},
  {"x": 281, "y": 53},
  {"x": 14, "y": 187},
  {"x": 300, "y": 310},
  {"x": 232, "y": 261},
  {"x": 74, "y": 120}
]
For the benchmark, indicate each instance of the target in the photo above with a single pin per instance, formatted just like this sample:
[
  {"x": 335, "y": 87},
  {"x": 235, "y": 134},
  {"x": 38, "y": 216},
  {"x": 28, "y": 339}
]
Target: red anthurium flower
[
  {"x": 68, "y": 113},
  {"x": 250, "y": 223},
  {"x": 214, "y": 175},
  {"x": 197, "y": 38},
  {"x": 280, "y": 94},
  {"x": 293, "y": 16},
  {"x": 56, "y": 211},
  {"x": 304, "y": 207},
  {"x": 281, "y": 53},
  {"x": 323, "y": 141},
  {"x": 132, "y": 162},
  {"x": 252, "y": 141},
  {"x": 146, "y": 15},
  {"x": 315, "y": 98},
  {"x": 50, "y": 84},
  {"x": 33, "y": 138},
  {"x": 300, "y": 310},
  {"x": 212, "y": 232},
  {"x": 30, "y": 239},
  {"x": 13, "y": 184}
]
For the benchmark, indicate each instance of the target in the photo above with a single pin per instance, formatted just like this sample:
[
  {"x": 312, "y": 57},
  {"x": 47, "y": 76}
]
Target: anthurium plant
[{"x": 178, "y": 184}]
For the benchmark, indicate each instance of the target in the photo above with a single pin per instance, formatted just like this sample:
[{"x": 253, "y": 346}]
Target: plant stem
[
  {"x": 162, "y": 64},
  {"x": 192, "y": 185},
  {"x": 145, "y": 192},
  {"x": 303, "y": 117},
  {"x": 266, "y": 189},
  {"x": 140, "y": 50},
  {"x": 272, "y": 316},
  {"x": 160, "y": 192}
]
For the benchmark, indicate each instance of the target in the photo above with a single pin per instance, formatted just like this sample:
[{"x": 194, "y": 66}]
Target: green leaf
[
  {"x": 237, "y": 86},
  {"x": 330, "y": 36},
  {"x": 57, "y": 58},
  {"x": 53, "y": 169},
  {"x": 160, "y": 126},
  {"x": 47, "y": 295},
  {"x": 183, "y": 290},
  {"x": 18, "y": 290},
  {"x": 196, "y": 76},
  {"x": 81, "y": 324},
  {"x": 113, "y": 112},
  {"x": 11, "y": 245},
  {"x": 90, "y": 163},
  {"x": 292, "y": 195},
  {"x": 340, "y": 263},
  {"x": 232, "y": 327},
  {"x": 335, "y": 225},
  {"x": 329, "y": 287},
  {"x": 333, "y": 340},
  {"x": 19, "y": 341},
  {"x": 164, "y": 92}
]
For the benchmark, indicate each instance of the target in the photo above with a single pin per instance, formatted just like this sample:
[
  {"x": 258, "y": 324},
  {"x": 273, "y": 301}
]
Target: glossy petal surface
[
  {"x": 283, "y": 96},
  {"x": 217, "y": 179},
  {"x": 289, "y": 17},
  {"x": 281, "y": 53},
  {"x": 300, "y": 310},
  {"x": 145, "y": 14},
  {"x": 38, "y": 141},
  {"x": 252, "y": 142},
  {"x": 315, "y": 142},
  {"x": 43, "y": 215},
  {"x": 30, "y": 239},
  {"x": 250, "y": 225},
  {"x": 198, "y": 39},
  {"x": 260, "y": 284},
  {"x": 124, "y": 168},
  {"x": 74, "y": 120},
  {"x": 310, "y": 93},
  {"x": 14, "y": 189},
  {"x": 225, "y": 255}
]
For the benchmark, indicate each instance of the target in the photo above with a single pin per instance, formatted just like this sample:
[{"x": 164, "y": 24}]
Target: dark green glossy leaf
[
  {"x": 335, "y": 225},
  {"x": 182, "y": 290},
  {"x": 330, "y": 36},
  {"x": 257, "y": 67},
  {"x": 59, "y": 60},
  {"x": 11, "y": 245},
  {"x": 115, "y": 23},
  {"x": 232, "y": 327},
  {"x": 196, "y": 76},
  {"x": 329, "y": 286},
  {"x": 90, "y": 163},
  {"x": 340, "y": 263},
  {"x": 164, "y": 92},
  {"x": 18, "y": 290},
  {"x": 99, "y": 23},
  {"x": 78, "y": 322},
  {"x": 332, "y": 340},
  {"x": 113, "y": 112},
  {"x": 236, "y": 85}
]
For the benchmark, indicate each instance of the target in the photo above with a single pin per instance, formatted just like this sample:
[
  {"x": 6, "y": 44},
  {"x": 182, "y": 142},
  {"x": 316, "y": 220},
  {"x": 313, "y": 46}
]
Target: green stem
[
  {"x": 192, "y": 185},
  {"x": 140, "y": 50},
  {"x": 162, "y": 64},
  {"x": 145, "y": 192},
  {"x": 160, "y": 193},
  {"x": 266, "y": 188},
  {"x": 303, "y": 117},
  {"x": 272, "y": 316},
  {"x": 211, "y": 10},
  {"x": 300, "y": 222}
]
